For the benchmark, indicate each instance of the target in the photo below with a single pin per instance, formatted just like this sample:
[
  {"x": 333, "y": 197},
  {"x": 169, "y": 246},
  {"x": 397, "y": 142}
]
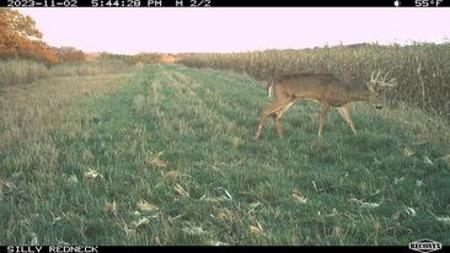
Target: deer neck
[{"x": 359, "y": 95}]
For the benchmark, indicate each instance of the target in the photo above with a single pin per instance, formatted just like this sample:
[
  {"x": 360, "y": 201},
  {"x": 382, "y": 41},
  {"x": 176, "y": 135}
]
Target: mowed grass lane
[{"x": 169, "y": 157}]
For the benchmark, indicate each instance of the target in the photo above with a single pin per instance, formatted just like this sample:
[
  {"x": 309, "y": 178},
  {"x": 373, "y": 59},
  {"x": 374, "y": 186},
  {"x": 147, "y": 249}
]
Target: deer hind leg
[
  {"x": 343, "y": 111},
  {"x": 324, "y": 107},
  {"x": 273, "y": 109}
]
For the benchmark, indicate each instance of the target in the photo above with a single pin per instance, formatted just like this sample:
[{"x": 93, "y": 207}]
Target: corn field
[{"x": 422, "y": 70}]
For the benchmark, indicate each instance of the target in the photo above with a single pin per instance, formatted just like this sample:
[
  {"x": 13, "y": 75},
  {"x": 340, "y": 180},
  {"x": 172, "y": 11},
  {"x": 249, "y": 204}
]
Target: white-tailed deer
[{"x": 323, "y": 88}]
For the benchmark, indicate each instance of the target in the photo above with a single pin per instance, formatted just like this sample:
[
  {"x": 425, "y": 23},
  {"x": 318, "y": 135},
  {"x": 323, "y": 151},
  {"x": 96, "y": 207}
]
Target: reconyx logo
[{"x": 425, "y": 245}]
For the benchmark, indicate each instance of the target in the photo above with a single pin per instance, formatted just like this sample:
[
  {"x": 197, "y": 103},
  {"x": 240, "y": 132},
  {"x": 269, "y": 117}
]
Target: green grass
[{"x": 168, "y": 157}]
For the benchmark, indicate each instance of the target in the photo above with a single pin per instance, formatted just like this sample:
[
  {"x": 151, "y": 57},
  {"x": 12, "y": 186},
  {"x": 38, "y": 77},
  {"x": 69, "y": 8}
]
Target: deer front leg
[
  {"x": 343, "y": 111},
  {"x": 322, "y": 116},
  {"x": 271, "y": 109},
  {"x": 277, "y": 118},
  {"x": 277, "y": 125}
]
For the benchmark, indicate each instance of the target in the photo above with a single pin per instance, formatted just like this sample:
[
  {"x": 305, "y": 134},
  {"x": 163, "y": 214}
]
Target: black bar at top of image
[
  {"x": 312, "y": 3},
  {"x": 223, "y": 3}
]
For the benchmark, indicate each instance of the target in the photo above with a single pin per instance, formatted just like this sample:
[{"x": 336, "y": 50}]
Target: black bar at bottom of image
[{"x": 200, "y": 249}]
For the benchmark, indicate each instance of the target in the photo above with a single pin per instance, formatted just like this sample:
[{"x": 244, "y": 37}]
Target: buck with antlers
[{"x": 323, "y": 88}]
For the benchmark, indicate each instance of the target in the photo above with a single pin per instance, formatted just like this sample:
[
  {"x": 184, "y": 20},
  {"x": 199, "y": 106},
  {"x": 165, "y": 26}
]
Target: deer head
[{"x": 376, "y": 82}]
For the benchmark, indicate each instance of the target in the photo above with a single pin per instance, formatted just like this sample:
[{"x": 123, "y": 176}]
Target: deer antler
[
  {"x": 375, "y": 80},
  {"x": 385, "y": 82},
  {"x": 372, "y": 79}
]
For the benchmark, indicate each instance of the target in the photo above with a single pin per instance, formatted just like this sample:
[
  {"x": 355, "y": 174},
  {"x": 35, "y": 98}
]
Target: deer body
[{"x": 323, "y": 88}]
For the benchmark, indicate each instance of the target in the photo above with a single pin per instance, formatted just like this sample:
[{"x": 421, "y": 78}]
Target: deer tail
[{"x": 270, "y": 88}]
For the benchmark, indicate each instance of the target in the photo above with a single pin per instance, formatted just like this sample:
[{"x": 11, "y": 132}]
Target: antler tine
[
  {"x": 378, "y": 75},
  {"x": 385, "y": 77},
  {"x": 391, "y": 82},
  {"x": 371, "y": 76},
  {"x": 371, "y": 82}
]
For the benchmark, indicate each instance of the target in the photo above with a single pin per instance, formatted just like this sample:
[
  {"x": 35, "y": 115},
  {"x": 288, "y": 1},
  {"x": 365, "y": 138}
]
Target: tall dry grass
[
  {"x": 89, "y": 68},
  {"x": 19, "y": 71}
]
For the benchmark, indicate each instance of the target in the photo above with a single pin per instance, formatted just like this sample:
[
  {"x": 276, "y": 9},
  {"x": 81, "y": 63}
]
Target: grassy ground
[{"x": 166, "y": 155}]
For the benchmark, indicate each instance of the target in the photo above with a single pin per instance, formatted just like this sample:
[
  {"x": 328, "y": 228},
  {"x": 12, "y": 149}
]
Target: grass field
[{"x": 166, "y": 155}]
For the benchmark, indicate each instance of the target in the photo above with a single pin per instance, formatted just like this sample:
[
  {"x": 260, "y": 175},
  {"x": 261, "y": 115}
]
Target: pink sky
[{"x": 134, "y": 30}]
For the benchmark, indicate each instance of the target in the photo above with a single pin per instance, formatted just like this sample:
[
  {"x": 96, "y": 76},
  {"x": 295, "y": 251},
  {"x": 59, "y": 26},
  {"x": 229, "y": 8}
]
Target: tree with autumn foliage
[
  {"x": 69, "y": 54},
  {"x": 20, "y": 38}
]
